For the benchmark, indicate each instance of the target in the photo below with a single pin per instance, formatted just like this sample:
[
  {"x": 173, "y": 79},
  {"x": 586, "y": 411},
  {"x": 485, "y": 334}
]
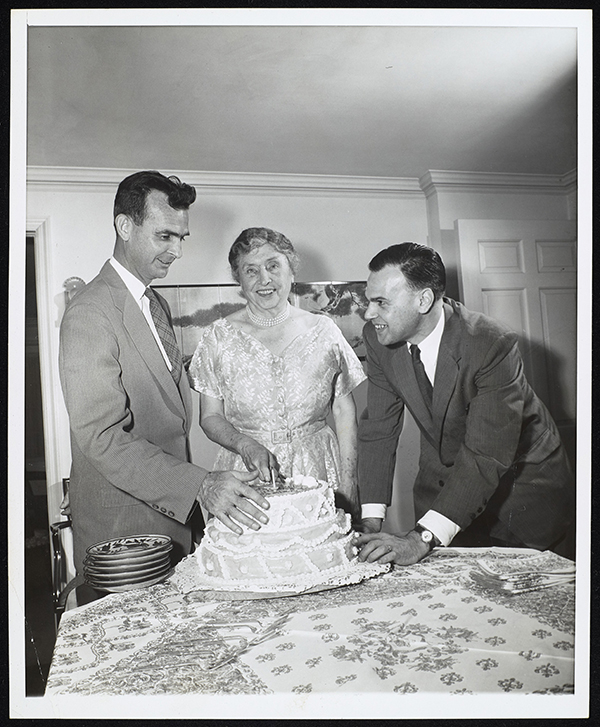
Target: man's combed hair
[
  {"x": 421, "y": 266},
  {"x": 133, "y": 191}
]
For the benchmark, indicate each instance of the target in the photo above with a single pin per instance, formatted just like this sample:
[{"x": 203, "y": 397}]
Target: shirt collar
[
  {"x": 133, "y": 284},
  {"x": 430, "y": 345}
]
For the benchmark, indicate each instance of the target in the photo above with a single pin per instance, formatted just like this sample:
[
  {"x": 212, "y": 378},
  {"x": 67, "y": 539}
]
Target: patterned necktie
[
  {"x": 165, "y": 333},
  {"x": 422, "y": 379}
]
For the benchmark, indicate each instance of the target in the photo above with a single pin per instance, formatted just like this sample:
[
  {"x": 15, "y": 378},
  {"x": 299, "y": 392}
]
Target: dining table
[{"x": 432, "y": 627}]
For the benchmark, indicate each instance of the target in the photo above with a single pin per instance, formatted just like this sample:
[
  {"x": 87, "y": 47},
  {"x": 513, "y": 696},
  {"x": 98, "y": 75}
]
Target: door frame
[{"x": 53, "y": 411}]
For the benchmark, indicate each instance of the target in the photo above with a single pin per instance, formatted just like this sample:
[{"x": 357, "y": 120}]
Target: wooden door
[{"x": 524, "y": 273}]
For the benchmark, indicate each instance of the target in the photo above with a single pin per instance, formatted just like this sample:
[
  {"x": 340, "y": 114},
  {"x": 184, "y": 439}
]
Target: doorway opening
[{"x": 39, "y": 614}]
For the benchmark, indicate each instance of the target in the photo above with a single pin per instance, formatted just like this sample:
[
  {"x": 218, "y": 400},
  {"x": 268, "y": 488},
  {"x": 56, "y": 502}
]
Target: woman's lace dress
[{"x": 280, "y": 401}]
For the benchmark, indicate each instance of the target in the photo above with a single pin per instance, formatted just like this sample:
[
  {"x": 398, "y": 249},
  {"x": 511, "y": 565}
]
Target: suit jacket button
[
  {"x": 163, "y": 509},
  {"x": 155, "y": 507},
  {"x": 171, "y": 514},
  {"x": 441, "y": 483},
  {"x": 479, "y": 510}
]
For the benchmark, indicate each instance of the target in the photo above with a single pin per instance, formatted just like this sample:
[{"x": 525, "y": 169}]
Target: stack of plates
[{"x": 124, "y": 564}]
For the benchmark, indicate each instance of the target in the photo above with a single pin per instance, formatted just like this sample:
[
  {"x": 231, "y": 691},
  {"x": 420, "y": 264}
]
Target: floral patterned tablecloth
[{"x": 424, "y": 628}]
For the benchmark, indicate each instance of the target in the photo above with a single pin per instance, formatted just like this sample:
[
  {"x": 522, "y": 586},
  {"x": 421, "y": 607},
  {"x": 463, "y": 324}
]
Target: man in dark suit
[
  {"x": 492, "y": 468},
  {"x": 128, "y": 399}
]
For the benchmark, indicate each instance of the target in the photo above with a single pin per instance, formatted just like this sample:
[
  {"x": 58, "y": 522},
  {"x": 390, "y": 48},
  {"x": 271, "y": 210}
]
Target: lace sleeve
[
  {"x": 351, "y": 372},
  {"x": 203, "y": 367}
]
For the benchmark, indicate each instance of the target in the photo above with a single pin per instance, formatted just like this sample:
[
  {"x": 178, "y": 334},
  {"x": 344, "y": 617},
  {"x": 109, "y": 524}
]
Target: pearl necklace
[{"x": 269, "y": 322}]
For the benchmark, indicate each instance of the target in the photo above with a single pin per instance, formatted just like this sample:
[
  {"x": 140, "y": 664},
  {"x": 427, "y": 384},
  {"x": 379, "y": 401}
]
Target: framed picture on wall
[
  {"x": 194, "y": 307},
  {"x": 344, "y": 302}
]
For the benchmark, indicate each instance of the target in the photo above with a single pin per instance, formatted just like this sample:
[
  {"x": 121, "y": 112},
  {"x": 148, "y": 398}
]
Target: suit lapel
[
  {"x": 446, "y": 375},
  {"x": 447, "y": 368},
  {"x": 141, "y": 335}
]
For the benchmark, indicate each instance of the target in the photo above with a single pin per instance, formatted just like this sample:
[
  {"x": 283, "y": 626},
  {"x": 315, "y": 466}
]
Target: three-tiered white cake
[{"x": 307, "y": 544}]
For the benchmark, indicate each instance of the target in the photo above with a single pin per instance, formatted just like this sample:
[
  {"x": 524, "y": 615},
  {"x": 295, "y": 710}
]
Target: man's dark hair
[
  {"x": 421, "y": 266},
  {"x": 133, "y": 191}
]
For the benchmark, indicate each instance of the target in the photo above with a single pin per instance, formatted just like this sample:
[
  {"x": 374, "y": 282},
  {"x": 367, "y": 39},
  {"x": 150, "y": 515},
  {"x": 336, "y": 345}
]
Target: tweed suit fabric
[{"x": 131, "y": 471}]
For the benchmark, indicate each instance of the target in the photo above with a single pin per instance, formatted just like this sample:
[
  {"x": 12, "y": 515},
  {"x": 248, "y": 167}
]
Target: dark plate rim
[
  {"x": 126, "y": 568},
  {"x": 134, "y": 586},
  {"x": 131, "y": 578},
  {"x": 166, "y": 541},
  {"x": 130, "y": 554}
]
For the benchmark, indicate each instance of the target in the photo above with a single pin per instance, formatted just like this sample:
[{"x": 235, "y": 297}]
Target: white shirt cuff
[
  {"x": 374, "y": 509},
  {"x": 443, "y": 528}
]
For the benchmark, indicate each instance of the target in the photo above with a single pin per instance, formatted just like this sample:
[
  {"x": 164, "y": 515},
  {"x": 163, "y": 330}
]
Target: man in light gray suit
[
  {"x": 492, "y": 468},
  {"x": 128, "y": 399}
]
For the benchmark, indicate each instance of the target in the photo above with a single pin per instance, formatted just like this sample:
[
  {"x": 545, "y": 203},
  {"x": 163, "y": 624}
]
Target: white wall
[
  {"x": 336, "y": 229},
  {"x": 455, "y": 196},
  {"x": 480, "y": 195},
  {"x": 336, "y": 236}
]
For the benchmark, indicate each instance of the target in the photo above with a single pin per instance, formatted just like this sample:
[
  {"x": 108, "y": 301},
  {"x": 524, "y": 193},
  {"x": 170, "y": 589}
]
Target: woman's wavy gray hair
[{"x": 255, "y": 237}]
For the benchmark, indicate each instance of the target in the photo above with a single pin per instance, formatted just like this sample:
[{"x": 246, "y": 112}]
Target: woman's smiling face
[{"x": 266, "y": 279}]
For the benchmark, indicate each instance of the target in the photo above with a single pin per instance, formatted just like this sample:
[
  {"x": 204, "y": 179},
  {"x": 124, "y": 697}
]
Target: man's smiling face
[
  {"x": 394, "y": 307},
  {"x": 151, "y": 247}
]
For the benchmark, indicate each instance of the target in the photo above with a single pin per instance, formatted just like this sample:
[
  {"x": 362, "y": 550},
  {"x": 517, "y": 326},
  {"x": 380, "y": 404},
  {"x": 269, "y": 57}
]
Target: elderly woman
[{"x": 269, "y": 374}]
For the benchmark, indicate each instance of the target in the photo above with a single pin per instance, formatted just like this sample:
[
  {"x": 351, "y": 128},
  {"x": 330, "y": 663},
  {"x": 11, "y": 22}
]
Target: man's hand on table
[
  {"x": 227, "y": 496},
  {"x": 386, "y": 548}
]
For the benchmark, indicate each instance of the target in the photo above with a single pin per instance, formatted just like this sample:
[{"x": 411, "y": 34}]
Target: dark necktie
[
  {"x": 165, "y": 333},
  {"x": 422, "y": 379}
]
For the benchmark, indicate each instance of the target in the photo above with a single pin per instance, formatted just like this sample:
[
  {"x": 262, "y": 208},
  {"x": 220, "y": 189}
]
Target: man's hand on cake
[
  {"x": 258, "y": 458},
  {"x": 387, "y": 548},
  {"x": 226, "y": 495}
]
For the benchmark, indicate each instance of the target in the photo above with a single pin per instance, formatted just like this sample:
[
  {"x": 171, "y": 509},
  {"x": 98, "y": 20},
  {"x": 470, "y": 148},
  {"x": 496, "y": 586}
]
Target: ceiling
[{"x": 356, "y": 100}]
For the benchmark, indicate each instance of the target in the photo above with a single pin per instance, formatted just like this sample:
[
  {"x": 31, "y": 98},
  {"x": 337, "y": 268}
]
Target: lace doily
[{"x": 188, "y": 577}]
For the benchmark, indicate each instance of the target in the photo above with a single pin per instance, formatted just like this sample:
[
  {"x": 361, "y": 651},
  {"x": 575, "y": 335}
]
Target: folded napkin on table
[{"x": 518, "y": 575}]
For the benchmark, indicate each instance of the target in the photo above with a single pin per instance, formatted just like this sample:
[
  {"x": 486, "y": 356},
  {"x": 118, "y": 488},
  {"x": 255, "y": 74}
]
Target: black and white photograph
[{"x": 300, "y": 364}]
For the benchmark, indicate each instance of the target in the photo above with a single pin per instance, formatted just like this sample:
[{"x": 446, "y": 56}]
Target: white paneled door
[{"x": 524, "y": 273}]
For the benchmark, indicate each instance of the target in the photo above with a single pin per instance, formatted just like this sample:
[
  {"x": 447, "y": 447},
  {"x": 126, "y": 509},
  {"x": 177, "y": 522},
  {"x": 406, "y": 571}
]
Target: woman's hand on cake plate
[
  {"x": 387, "y": 548},
  {"x": 227, "y": 496},
  {"x": 258, "y": 458}
]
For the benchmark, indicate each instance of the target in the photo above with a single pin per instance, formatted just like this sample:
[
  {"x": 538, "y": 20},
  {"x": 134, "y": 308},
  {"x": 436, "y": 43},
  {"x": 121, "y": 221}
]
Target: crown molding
[
  {"x": 98, "y": 179},
  {"x": 437, "y": 180},
  {"x": 434, "y": 181},
  {"x": 570, "y": 181}
]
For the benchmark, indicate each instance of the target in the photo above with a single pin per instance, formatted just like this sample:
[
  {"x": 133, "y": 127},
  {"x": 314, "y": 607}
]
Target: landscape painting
[{"x": 193, "y": 307}]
